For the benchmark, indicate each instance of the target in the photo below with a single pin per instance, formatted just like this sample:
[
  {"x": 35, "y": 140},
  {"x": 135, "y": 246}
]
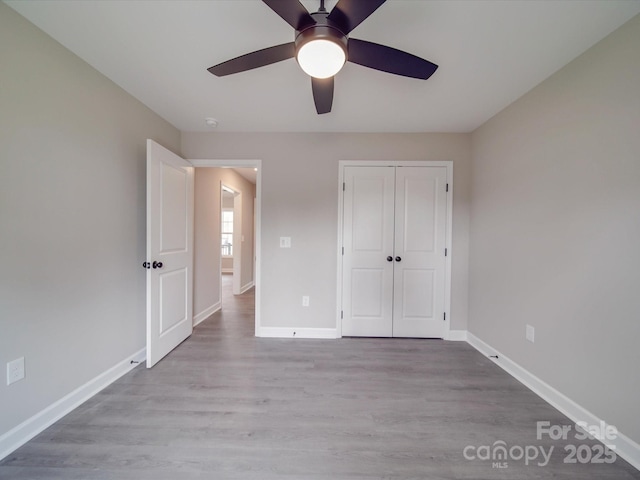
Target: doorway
[
  {"x": 218, "y": 183},
  {"x": 231, "y": 234},
  {"x": 180, "y": 291}
]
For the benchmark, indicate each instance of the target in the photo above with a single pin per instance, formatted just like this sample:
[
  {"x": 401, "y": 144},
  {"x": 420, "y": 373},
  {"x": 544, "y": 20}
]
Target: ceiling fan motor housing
[{"x": 322, "y": 30}]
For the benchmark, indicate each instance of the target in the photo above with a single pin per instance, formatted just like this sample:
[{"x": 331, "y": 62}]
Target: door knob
[
  {"x": 146, "y": 265},
  {"x": 157, "y": 264},
  {"x": 398, "y": 259},
  {"x": 389, "y": 258}
]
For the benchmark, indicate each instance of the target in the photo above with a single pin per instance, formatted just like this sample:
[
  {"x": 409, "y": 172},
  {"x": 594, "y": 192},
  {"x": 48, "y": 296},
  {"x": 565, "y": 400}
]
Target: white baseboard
[
  {"x": 624, "y": 446},
  {"x": 628, "y": 449},
  {"x": 18, "y": 436},
  {"x": 286, "y": 332},
  {"x": 456, "y": 336},
  {"x": 248, "y": 286},
  {"x": 199, "y": 318}
]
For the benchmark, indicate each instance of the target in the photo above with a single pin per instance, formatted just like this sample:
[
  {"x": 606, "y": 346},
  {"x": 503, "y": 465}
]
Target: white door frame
[
  {"x": 389, "y": 163},
  {"x": 257, "y": 212}
]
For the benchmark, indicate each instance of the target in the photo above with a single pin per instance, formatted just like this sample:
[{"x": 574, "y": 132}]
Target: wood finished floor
[{"x": 227, "y": 405}]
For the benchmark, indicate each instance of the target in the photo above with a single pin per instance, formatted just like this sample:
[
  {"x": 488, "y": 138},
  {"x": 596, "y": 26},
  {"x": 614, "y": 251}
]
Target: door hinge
[
  {"x": 445, "y": 252},
  {"x": 344, "y": 186},
  {"x": 343, "y": 250},
  {"x": 447, "y": 187},
  {"x": 444, "y": 316},
  {"x": 341, "y": 313}
]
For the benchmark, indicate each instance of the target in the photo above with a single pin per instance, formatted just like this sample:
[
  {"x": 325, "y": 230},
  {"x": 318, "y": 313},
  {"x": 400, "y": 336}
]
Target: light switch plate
[
  {"x": 285, "y": 242},
  {"x": 531, "y": 332}
]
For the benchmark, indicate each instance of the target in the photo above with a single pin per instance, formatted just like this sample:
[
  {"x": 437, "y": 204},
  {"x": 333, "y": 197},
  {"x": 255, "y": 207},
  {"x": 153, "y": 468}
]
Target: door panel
[
  {"x": 173, "y": 198},
  {"x": 368, "y": 241},
  {"x": 420, "y": 236},
  {"x": 174, "y": 309},
  {"x": 369, "y": 222},
  {"x": 417, "y": 294},
  {"x": 419, "y": 213},
  {"x": 367, "y": 293},
  {"x": 170, "y": 243}
]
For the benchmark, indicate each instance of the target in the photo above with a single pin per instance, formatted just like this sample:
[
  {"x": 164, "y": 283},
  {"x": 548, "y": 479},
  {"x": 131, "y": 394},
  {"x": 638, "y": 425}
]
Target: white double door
[{"x": 394, "y": 235}]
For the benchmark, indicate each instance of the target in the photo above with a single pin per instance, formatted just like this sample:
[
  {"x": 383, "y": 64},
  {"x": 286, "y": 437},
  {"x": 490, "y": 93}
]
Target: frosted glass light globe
[{"x": 321, "y": 58}]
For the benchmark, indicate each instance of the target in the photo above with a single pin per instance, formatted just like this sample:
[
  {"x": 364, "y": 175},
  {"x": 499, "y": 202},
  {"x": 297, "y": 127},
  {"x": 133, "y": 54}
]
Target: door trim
[
  {"x": 248, "y": 163},
  {"x": 448, "y": 164}
]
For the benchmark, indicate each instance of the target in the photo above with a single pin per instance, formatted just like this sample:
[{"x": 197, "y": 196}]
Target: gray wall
[
  {"x": 300, "y": 200},
  {"x": 555, "y": 230},
  {"x": 206, "y": 269},
  {"x": 72, "y": 218}
]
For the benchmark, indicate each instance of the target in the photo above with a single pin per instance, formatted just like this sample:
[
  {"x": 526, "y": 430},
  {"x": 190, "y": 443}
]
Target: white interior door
[
  {"x": 419, "y": 266},
  {"x": 394, "y": 238},
  {"x": 169, "y": 251},
  {"x": 368, "y": 242}
]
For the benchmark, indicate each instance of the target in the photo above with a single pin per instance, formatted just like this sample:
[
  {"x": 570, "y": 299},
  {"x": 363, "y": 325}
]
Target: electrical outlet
[
  {"x": 530, "y": 333},
  {"x": 305, "y": 301},
  {"x": 15, "y": 370}
]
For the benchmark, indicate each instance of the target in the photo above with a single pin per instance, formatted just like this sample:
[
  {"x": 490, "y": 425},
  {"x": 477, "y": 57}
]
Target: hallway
[{"x": 237, "y": 316}]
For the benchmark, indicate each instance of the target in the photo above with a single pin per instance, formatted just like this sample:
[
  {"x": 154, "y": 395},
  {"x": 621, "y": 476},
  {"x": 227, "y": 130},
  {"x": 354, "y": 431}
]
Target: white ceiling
[{"x": 490, "y": 53}]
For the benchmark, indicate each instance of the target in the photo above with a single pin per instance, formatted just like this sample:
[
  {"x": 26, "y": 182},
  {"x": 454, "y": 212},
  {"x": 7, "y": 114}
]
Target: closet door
[
  {"x": 368, "y": 241},
  {"x": 419, "y": 258}
]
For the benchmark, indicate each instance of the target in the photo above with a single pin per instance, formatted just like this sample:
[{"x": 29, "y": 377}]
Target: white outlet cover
[
  {"x": 305, "y": 301},
  {"x": 15, "y": 370}
]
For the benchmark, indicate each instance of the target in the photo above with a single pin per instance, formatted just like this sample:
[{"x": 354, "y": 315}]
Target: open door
[{"x": 169, "y": 251}]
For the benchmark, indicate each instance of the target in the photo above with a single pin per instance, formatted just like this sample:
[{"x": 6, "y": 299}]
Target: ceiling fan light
[{"x": 321, "y": 58}]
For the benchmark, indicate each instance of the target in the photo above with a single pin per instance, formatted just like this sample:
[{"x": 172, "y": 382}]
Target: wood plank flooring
[{"x": 227, "y": 405}]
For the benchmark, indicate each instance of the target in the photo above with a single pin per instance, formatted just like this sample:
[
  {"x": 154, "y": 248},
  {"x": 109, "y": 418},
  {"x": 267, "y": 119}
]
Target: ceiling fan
[{"x": 322, "y": 46}]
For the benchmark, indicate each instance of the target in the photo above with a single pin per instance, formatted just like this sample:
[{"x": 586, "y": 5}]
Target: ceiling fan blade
[
  {"x": 292, "y": 12},
  {"x": 348, "y": 14},
  {"x": 256, "y": 59},
  {"x": 322, "y": 94},
  {"x": 390, "y": 60}
]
